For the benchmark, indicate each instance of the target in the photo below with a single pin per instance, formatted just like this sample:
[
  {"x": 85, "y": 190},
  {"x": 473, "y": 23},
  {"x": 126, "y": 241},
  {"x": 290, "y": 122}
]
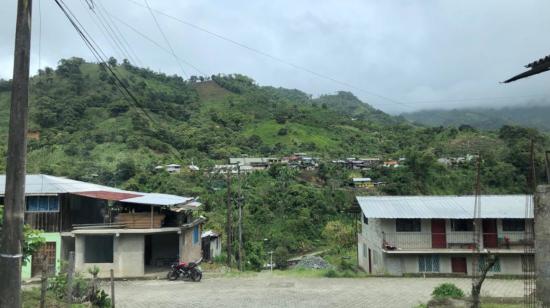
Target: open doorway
[{"x": 161, "y": 250}]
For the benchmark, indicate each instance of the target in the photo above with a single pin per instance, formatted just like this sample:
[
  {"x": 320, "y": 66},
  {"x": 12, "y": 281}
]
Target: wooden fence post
[
  {"x": 112, "y": 289},
  {"x": 43, "y": 281},
  {"x": 70, "y": 273}
]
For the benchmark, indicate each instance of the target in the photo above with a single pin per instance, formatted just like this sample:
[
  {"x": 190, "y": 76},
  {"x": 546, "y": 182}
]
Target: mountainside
[
  {"x": 82, "y": 127},
  {"x": 485, "y": 118}
]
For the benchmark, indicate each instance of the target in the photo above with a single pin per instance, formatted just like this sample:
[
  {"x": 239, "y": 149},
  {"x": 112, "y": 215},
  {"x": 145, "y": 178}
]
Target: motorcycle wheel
[
  {"x": 172, "y": 276},
  {"x": 196, "y": 276}
]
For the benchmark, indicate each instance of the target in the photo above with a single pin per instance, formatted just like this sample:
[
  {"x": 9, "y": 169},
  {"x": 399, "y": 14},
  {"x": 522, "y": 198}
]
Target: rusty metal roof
[{"x": 41, "y": 184}]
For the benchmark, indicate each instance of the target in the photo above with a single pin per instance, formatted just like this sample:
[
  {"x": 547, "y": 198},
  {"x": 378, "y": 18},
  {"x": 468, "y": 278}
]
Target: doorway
[
  {"x": 490, "y": 238},
  {"x": 48, "y": 250},
  {"x": 439, "y": 237},
  {"x": 161, "y": 250},
  {"x": 459, "y": 265}
]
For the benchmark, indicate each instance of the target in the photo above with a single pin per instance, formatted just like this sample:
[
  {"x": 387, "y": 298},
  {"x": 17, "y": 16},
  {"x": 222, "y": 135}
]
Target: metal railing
[{"x": 454, "y": 240}]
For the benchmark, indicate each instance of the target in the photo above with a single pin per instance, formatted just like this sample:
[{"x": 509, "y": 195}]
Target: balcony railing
[{"x": 454, "y": 240}]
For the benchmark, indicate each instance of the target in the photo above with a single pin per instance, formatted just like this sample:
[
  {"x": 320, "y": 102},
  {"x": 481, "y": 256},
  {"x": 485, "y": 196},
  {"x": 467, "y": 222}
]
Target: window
[
  {"x": 428, "y": 263},
  {"x": 365, "y": 251},
  {"x": 407, "y": 225},
  {"x": 42, "y": 204},
  {"x": 482, "y": 262},
  {"x": 196, "y": 234},
  {"x": 462, "y": 225},
  {"x": 513, "y": 225},
  {"x": 98, "y": 249},
  {"x": 365, "y": 220}
]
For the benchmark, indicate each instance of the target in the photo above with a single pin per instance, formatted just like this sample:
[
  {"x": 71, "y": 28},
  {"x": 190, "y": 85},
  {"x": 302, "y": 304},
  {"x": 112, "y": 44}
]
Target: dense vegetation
[
  {"x": 535, "y": 116},
  {"x": 84, "y": 128}
]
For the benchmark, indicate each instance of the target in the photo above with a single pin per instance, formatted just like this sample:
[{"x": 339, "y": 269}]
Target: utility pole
[
  {"x": 229, "y": 222},
  {"x": 12, "y": 232},
  {"x": 239, "y": 202}
]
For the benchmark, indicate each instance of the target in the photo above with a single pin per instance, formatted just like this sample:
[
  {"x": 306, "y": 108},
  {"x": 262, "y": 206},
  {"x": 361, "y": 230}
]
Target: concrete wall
[
  {"x": 190, "y": 251},
  {"x": 128, "y": 256}
]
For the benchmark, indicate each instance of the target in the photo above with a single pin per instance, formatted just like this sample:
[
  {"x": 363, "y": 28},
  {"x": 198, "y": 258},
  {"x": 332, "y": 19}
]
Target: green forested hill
[
  {"x": 485, "y": 118},
  {"x": 84, "y": 128}
]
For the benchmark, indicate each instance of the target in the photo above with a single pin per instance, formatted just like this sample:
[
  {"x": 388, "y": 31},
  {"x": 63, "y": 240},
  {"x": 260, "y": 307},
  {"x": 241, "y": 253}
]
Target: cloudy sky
[{"x": 398, "y": 56}]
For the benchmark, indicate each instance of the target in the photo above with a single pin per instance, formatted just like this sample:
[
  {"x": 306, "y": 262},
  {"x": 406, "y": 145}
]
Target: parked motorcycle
[{"x": 184, "y": 270}]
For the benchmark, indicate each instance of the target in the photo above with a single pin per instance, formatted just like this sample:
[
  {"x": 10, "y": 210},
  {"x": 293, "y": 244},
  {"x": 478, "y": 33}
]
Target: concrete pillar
[{"x": 542, "y": 244}]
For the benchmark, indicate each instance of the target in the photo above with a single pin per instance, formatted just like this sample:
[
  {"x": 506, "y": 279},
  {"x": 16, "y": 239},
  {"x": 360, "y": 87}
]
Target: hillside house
[
  {"x": 126, "y": 231},
  {"x": 363, "y": 183},
  {"x": 170, "y": 168},
  {"x": 255, "y": 163},
  {"x": 435, "y": 234}
]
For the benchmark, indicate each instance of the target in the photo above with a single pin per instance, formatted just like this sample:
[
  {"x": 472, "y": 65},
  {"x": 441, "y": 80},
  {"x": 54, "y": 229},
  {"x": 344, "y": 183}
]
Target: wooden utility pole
[
  {"x": 112, "y": 288},
  {"x": 12, "y": 230},
  {"x": 229, "y": 222}
]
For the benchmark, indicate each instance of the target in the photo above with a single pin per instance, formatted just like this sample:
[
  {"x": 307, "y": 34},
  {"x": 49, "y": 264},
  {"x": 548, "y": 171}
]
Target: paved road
[{"x": 273, "y": 291}]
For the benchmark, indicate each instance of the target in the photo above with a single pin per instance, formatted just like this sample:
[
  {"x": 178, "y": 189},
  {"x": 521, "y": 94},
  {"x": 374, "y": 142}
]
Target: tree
[{"x": 339, "y": 235}]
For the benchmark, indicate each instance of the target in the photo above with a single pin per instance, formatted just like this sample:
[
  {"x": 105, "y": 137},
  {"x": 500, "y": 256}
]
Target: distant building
[
  {"x": 363, "y": 182},
  {"x": 170, "y": 168},
  {"x": 256, "y": 163},
  {"x": 391, "y": 164}
]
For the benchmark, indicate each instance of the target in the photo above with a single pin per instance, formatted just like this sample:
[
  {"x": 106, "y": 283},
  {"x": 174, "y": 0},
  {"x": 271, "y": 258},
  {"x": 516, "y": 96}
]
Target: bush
[
  {"x": 280, "y": 257},
  {"x": 447, "y": 290}
]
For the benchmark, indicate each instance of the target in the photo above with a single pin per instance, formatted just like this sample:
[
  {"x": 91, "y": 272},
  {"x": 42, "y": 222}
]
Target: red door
[
  {"x": 439, "y": 239},
  {"x": 458, "y": 265},
  {"x": 490, "y": 239}
]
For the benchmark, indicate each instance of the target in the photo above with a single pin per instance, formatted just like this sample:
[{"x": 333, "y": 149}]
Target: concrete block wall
[{"x": 128, "y": 256}]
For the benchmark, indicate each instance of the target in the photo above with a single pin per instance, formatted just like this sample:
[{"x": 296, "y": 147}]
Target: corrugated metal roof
[
  {"x": 457, "y": 207},
  {"x": 158, "y": 199},
  {"x": 41, "y": 184}
]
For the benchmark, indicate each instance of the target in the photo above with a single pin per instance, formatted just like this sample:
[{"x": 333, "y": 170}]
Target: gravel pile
[{"x": 314, "y": 262}]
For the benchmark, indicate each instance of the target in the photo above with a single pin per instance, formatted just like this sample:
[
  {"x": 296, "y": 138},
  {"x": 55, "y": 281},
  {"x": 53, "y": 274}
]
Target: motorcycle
[{"x": 184, "y": 270}]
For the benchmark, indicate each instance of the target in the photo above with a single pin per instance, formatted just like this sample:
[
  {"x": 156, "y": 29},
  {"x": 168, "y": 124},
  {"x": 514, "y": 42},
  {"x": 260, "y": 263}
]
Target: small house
[{"x": 211, "y": 245}]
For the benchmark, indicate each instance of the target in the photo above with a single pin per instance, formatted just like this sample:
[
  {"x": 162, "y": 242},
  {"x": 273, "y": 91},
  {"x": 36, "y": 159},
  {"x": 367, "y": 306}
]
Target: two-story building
[
  {"x": 129, "y": 232},
  {"x": 436, "y": 234}
]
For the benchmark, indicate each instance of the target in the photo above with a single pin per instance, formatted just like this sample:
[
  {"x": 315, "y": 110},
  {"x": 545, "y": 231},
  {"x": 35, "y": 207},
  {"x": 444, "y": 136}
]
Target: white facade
[{"x": 384, "y": 250}]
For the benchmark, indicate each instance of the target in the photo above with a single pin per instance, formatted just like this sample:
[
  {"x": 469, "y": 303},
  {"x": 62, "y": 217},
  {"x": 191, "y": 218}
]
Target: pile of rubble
[{"x": 313, "y": 262}]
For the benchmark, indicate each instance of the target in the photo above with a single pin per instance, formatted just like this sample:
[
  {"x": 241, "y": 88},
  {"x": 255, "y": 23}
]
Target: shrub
[{"x": 447, "y": 290}]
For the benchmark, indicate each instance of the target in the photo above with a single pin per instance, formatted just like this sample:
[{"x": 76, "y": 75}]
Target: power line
[
  {"x": 165, "y": 38},
  {"x": 275, "y": 58},
  {"x": 92, "y": 46},
  {"x": 155, "y": 43},
  {"x": 129, "y": 47}
]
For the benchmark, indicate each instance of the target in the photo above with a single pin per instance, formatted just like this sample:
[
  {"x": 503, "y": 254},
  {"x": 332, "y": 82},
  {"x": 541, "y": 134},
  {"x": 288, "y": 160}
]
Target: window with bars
[
  {"x": 483, "y": 261},
  {"x": 42, "y": 204},
  {"x": 428, "y": 263}
]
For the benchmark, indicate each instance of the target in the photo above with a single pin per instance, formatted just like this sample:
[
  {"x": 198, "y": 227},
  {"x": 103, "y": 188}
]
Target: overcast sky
[{"x": 422, "y": 54}]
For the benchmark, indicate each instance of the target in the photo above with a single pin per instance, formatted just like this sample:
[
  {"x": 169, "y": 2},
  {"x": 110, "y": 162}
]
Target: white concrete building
[{"x": 435, "y": 234}]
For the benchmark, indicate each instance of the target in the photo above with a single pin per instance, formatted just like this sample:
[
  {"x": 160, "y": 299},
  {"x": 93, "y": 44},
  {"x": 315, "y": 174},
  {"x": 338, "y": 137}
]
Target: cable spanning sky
[{"x": 422, "y": 54}]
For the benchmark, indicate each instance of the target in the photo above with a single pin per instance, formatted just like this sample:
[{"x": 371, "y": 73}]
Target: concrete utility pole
[
  {"x": 12, "y": 232},
  {"x": 542, "y": 245}
]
